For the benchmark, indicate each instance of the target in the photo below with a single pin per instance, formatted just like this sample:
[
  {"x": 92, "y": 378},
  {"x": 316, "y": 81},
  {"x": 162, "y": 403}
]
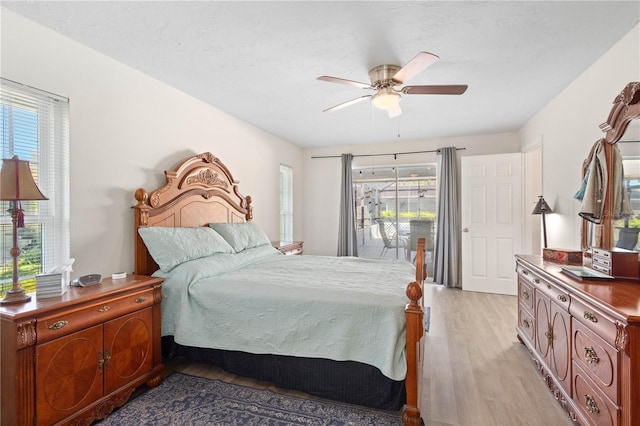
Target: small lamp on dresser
[
  {"x": 542, "y": 208},
  {"x": 16, "y": 185}
]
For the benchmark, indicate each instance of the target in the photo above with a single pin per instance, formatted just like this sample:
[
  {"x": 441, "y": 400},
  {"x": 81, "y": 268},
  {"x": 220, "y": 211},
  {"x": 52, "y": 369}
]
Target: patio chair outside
[{"x": 388, "y": 233}]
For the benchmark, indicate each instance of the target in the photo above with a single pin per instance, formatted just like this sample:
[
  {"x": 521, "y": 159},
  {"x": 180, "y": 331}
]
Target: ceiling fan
[{"x": 385, "y": 78}]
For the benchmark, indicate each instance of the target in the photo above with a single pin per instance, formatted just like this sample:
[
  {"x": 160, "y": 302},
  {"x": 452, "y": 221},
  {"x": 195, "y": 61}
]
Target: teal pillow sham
[
  {"x": 241, "y": 236},
  {"x": 170, "y": 247}
]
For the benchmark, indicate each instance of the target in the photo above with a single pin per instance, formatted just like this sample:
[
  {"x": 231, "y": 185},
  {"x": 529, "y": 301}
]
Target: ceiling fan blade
[
  {"x": 344, "y": 81},
  {"x": 394, "y": 111},
  {"x": 421, "y": 61},
  {"x": 449, "y": 89},
  {"x": 346, "y": 104}
]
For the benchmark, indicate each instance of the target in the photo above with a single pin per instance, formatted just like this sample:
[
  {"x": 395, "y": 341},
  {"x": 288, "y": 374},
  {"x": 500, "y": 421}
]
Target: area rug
[{"x": 188, "y": 400}]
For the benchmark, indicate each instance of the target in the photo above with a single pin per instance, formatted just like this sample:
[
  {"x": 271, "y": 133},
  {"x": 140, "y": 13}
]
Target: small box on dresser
[
  {"x": 616, "y": 262},
  {"x": 569, "y": 257}
]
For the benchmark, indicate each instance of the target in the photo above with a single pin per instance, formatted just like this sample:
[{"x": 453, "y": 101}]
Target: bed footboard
[{"x": 415, "y": 330}]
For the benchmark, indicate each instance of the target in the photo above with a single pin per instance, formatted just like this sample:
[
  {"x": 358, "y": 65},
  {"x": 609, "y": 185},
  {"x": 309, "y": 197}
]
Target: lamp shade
[
  {"x": 386, "y": 99},
  {"x": 16, "y": 181},
  {"x": 541, "y": 207}
]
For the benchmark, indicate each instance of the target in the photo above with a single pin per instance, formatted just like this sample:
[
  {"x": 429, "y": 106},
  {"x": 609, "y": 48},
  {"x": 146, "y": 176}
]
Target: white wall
[
  {"x": 322, "y": 177},
  {"x": 568, "y": 127},
  {"x": 125, "y": 129}
]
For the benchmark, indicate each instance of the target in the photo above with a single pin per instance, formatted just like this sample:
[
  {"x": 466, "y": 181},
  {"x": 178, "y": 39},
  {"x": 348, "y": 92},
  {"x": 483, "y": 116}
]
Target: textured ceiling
[{"x": 259, "y": 60}]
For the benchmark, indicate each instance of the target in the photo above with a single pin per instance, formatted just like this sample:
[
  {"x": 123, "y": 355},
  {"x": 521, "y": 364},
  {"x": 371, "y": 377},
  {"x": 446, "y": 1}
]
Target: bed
[{"x": 342, "y": 328}]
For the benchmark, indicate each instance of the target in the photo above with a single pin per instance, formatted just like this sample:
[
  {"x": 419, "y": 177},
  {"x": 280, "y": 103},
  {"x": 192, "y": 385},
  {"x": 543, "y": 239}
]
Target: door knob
[{"x": 465, "y": 229}]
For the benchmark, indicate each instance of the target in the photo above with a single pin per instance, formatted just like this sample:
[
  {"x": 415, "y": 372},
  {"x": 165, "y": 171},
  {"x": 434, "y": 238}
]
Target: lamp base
[{"x": 15, "y": 296}]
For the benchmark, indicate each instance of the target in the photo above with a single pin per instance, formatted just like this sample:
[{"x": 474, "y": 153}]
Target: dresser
[
  {"x": 584, "y": 338},
  {"x": 72, "y": 359},
  {"x": 288, "y": 247}
]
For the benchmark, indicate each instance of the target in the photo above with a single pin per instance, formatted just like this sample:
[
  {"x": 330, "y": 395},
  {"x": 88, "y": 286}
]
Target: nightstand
[
  {"x": 76, "y": 357},
  {"x": 288, "y": 247}
]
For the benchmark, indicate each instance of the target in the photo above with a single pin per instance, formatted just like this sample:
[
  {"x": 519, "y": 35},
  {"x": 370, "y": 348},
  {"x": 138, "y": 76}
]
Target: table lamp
[
  {"x": 542, "y": 208},
  {"x": 16, "y": 185}
]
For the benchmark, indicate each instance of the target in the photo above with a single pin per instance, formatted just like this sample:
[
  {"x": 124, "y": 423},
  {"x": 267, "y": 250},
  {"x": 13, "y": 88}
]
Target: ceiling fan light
[{"x": 386, "y": 99}]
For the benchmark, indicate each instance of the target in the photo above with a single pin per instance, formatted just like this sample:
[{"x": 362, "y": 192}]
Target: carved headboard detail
[{"x": 201, "y": 190}]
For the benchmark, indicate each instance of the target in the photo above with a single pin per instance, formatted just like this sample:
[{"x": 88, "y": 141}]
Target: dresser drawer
[
  {"x": 592, "y": 403},
  {"x": 526, "y": 274},
  {"x": 594, "y": 320},
  {"x": 57, "y": 325},
  {"x": 601, "y": 253},
  {"x": 526, "y": 294},
  {"x": 601, "y": 268},
  {"x": 556, "y": 294},
  {"x": 598, "y": 359},
  {"x": 602, "y": 261},
  {"x": 526, "y": 324}
]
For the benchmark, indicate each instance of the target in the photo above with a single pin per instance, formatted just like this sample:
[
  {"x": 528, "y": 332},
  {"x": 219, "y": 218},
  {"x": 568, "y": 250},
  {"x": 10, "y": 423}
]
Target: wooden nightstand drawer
[{"x": 53, "y": 326}]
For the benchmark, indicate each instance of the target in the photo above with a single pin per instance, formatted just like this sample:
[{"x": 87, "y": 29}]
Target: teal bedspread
[{"x": 262, "y": 302}]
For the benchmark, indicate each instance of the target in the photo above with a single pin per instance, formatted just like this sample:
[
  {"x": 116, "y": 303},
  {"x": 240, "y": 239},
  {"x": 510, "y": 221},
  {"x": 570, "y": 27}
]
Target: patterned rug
[{"x": 188, "y": 400}]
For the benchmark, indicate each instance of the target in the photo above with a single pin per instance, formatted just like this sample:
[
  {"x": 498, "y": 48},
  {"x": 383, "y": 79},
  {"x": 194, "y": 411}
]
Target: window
[
  {"x": 286, "y": 203},
  {"x": 394, "y": 207},
  {"x": 34, "y": 125}
]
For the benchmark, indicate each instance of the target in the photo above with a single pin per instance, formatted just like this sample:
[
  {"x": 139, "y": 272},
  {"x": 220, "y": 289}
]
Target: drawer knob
[
  {"x": 525, "y": 272},
  {"x": 562, "y": 298},
  {"x": 105, "y": 308},
  {"x": 591, "y": 405},
  {"x": 525, "y": 294},
  {"x": 525, "y": 322},
  {"x": 140, "y": 299},
  {"x": 591, "y": 356},
  {"x": 58, "y": 325},
  {"x": 590, "y": 316},
  {"x": 536, "y": 280}
]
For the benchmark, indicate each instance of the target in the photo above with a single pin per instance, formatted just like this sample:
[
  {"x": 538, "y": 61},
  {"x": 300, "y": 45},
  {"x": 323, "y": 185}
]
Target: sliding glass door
[{"x": 394, "y": 207}]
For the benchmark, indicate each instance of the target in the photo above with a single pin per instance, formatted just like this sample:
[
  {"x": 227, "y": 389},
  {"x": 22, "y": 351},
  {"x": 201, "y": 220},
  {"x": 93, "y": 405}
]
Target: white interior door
[{"x": 492, "y": 222}]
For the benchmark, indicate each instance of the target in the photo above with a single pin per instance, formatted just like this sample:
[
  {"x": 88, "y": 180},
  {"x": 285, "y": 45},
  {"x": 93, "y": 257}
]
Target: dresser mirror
[
  {"x": 626, "y": 230},
  {"x": 622, "y": 137}
]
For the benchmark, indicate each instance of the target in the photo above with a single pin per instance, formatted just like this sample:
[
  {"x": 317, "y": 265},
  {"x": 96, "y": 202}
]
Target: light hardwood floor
[{"x": 476, "y": 372}]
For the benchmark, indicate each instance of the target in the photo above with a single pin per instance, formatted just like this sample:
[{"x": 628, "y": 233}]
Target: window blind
[{"x": 34, "y": 125}]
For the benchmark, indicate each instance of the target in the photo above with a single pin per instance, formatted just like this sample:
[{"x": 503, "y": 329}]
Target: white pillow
[
  {"x": 170, "y": 247},
  {"x": 241, "y": 236}
]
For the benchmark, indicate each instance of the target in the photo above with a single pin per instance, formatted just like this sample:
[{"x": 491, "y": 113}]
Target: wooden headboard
[{"x": 199, "y": 191}]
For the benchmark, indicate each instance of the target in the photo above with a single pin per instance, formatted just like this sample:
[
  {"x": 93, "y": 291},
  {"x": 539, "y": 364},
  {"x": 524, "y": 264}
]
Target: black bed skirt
[{"x": 347, "y": 381}]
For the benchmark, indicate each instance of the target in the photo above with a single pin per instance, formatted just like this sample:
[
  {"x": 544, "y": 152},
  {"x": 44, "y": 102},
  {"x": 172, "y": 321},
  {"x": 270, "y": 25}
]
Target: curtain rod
[{"x": 395, "y": 155}]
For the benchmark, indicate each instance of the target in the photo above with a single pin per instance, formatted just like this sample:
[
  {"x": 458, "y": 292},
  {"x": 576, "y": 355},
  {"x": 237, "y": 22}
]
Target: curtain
[
  {"x": 347, "y": 242},
  {"x": 446, "y": 254}
]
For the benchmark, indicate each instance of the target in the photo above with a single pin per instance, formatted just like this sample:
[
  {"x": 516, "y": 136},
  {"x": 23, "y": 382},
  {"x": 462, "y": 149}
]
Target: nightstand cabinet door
[
  {"x": 128, "y": 349},
  {"x": 68, "y": 374}
]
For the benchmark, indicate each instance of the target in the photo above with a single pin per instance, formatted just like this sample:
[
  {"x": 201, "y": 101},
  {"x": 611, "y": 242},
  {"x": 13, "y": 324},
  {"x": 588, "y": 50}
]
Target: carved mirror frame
[{"x": 626, "y": 107}]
